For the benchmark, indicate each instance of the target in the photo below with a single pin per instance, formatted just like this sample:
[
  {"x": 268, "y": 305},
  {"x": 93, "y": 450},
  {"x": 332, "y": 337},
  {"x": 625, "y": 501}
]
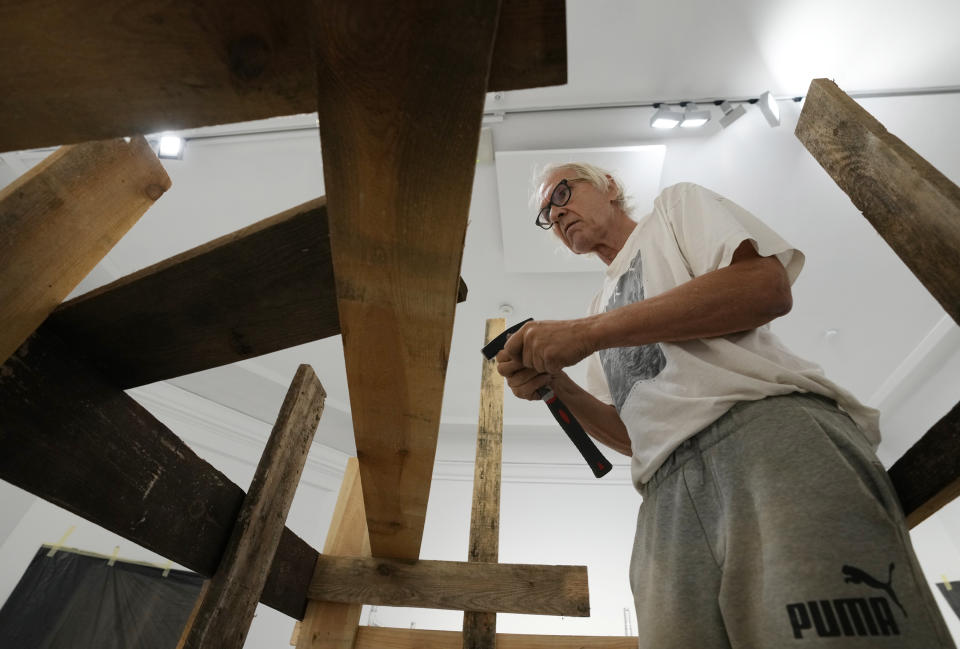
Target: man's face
[{"x": 582, "y": 223}]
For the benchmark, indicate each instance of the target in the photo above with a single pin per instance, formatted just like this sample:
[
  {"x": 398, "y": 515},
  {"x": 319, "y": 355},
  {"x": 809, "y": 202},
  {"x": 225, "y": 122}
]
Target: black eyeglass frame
[{"x": 543, "y": 216}]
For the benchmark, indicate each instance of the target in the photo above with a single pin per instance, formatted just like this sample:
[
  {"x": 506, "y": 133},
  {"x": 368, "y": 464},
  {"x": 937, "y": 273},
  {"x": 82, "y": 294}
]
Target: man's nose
[{"x": 556, "y": 213}]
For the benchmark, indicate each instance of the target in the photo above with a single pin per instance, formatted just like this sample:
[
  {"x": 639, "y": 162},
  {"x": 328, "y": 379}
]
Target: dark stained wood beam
[
  {"x": 461, "y": 586},
  {"x": 70, "y": 437},
  {"x": 264, "y": 288},
  {"x": 224, "y": 611},
  {"x": 401, "y": 91},
  {"x": 914, "y": 207},
  {"x": 132, "y": 67},
  {"x": 386, "y": 638},
  {"x": 927, "y": 477},
  {"x": 59, "y": 219}
]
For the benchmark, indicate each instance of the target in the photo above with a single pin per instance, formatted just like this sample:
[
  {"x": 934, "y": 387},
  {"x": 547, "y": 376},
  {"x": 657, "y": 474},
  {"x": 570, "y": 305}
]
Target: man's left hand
[{"x": 548, "y": 346}]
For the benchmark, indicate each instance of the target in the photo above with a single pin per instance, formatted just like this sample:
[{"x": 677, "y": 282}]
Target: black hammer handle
[{"x": 598, "y": 464}]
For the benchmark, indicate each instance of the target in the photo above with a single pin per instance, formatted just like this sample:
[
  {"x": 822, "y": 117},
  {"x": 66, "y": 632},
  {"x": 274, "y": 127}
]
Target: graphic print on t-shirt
[{"x": 624, "y": 366}]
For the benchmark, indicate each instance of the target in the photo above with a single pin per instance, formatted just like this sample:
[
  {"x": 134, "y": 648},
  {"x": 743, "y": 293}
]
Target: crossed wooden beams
[{"x": 916, "y": 209}]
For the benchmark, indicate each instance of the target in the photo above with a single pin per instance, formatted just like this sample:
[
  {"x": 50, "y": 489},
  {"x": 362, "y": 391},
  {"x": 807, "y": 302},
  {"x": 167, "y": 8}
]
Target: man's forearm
[
  {"x": 600, "y": 420},
  {"x": 737, "y": 298}
]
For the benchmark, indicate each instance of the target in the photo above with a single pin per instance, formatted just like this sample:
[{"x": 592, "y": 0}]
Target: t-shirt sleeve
[
  {"x": 709, "y": 228},
  {"x": 596, "y": 378}
]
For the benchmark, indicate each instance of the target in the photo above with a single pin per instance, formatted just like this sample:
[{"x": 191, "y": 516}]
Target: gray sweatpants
[{"x": 776, "y": 526}]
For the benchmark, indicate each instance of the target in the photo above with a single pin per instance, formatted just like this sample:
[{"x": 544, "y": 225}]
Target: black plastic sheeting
[
  {"x": 73, "y": 601},
  {"x": 951, "y": 591}
]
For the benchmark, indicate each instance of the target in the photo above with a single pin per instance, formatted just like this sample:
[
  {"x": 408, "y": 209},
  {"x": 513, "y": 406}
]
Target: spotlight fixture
[
  {"x": 731, "y": 113},
  {"x": 694, "y": 117},
  {"x": 769, "y": 108},
  {"x": 170, "y": 147},
  {"x": 664, "y": 117}
]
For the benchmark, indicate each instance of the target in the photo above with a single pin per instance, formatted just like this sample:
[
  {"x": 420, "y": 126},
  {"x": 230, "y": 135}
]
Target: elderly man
[{"x": 767, "y": 520}]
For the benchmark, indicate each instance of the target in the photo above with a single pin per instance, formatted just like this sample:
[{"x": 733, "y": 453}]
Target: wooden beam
[
  {"x": 333, "y": 625},
  {"x": 927, "y": 477},
  {"x": 914, "y": 207},
  {"x": 59, "y": 219},
  {"x": 147, "y": 68},
  {"x": 402, "y": 89},
  {"x": 260, "y": 289},
  {"x": 387, "y": 638},
  {"x": 71, "y": 438},
  {"x": 480, "y": 629},
  {"x": 225, "y": 611},
  {"x": 456, "y": 585}
]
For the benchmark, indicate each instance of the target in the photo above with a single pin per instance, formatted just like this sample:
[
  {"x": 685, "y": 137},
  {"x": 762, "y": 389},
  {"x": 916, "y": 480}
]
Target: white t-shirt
[{"x": 668, "y": 392}]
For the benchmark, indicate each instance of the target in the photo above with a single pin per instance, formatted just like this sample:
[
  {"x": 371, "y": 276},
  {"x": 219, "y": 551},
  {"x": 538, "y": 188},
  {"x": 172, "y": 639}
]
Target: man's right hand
[{"x": 523, "y": 381}]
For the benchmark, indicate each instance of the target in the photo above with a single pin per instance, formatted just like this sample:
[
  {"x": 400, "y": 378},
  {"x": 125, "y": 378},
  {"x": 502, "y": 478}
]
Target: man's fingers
[{"x": 526, "y": 388}]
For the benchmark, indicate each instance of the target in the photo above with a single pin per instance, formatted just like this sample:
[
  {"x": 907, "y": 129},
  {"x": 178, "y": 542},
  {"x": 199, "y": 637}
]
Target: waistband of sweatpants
[{"x": 728, "y": 423}]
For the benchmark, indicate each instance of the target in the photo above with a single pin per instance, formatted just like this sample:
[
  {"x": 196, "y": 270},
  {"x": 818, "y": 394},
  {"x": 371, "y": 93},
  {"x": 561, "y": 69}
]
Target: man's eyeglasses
[{"x": 558, "y": 198}]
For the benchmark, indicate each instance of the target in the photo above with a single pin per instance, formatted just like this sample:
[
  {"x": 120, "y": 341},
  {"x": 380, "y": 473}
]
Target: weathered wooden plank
[
  {"x": 402, "y": 89},
  {"x": 145, "y": 68},
  {"x": 226, "y": 608},
  {"x": 60, "y": 218},
  {"x": 387, "y": 638},
  {"x": 927, "y": 477},
  {"x": 914, "y": 207},
  {"x": 333, "y": 625},
  {"x": 265, "y": 287},
  {"x": 70, "y": 437},
  {"x": 456, "y": 585},
  {"x": 480, "y": 629}
]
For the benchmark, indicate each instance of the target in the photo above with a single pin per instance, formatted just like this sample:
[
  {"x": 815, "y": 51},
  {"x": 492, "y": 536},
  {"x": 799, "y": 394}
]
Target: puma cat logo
[
  {"x": 852, "y": 616},
  {"x": 856, "y": 576}
]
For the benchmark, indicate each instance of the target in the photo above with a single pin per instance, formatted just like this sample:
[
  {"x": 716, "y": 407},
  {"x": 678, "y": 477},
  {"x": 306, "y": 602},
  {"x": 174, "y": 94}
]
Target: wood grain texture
[
  {"x": 148, "y": 67},
  {"x": 333, "y": 625},
  {"x": 456, "y": 585},
  {"x": 260, "y": 289},
  {"x": 480, "y": 629},
  {"x": 228, "y": 603},
  {"x": 387, "y": 638},
  {"x": 914, "y": 207},
  {"x": 927, "y": 477},
  {"x": 402, "y": 88},
  {"x": 60, "y": 218},
  {"x": 70, "y": 437}
]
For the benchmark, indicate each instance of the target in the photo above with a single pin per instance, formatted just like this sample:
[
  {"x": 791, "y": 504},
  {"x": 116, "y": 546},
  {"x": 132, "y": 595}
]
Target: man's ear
[{"x": 612, "y": 188}]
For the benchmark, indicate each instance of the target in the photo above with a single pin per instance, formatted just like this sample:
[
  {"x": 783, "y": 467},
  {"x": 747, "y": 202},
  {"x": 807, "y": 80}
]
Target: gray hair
[{"x": 586, "y": 172}]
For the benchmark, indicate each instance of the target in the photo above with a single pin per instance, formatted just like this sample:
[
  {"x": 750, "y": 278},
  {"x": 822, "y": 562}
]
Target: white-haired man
[{"x": 767, "y": 520}]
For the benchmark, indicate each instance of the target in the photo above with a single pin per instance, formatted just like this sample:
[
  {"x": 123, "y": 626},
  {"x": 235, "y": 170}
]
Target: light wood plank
[
  {"x": 226, "y": 609},
  {"x": 58, "y": 220},
  {"x": 455, "y": 585},
  {"x": 402, "y": 88},
  {"x": 387, "y": 638},
  {"x": 70, "y": 437},
  {"x": 147, "y": 67},
  {"x": 480, "y": 629},
  {"x": 333, "y": 625},
  {"x": 914, "y": 207},
  {"x": 927, "y": 477}
]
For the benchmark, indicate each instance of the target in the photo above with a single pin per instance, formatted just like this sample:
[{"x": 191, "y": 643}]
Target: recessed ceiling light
[
  {"x": 694, "y": 117},
  {"x": 665, "y": 118},
  {"x": 731, "y": 113},
  {"x": 769, "y": 108},
  {"x": 171, "y": 147}
]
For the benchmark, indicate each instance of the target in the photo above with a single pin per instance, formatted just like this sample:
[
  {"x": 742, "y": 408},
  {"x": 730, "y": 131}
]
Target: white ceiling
[{"x": 621, "y": 52}]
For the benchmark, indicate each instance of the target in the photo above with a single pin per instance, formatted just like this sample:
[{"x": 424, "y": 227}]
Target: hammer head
[{"x": 493, "y": 347}]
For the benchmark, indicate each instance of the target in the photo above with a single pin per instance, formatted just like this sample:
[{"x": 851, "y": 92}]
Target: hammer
[{"x": 595, "y": 460}]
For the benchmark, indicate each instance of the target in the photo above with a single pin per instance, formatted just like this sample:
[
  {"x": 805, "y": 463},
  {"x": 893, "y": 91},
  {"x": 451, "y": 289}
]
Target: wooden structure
[
  {"x": 399, "y": 90},
  {"x": 916, "y": 209}
]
